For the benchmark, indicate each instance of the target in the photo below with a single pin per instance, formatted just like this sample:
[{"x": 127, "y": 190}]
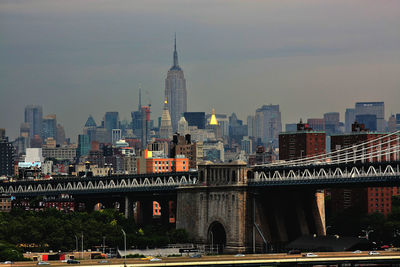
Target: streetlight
[
  {"x": 123, "y": 232},
  {"x": 76, "y": 239},
  {"x": 367, "y": 232},
  {"x": 82, "y": 245},
  {"x": 212, "y": 241}
]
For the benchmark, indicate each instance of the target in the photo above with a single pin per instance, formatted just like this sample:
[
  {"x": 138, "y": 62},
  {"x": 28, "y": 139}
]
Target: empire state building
[{"x": 175, "y": 91}]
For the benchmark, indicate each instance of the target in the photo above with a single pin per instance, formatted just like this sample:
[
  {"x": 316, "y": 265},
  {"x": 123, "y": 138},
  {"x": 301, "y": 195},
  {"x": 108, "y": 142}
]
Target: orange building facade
[{"x": 149, "y": 164}]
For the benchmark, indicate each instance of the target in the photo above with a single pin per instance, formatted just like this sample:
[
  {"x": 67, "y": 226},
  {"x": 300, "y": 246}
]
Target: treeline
[
  {"x": 54, "y": 230},
  {"x": 352, "y": 222}
]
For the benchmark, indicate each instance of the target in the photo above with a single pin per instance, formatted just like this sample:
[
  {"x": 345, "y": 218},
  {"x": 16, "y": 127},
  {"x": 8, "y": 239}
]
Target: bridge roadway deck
[
  {"x": 385, "y": 257},
  {"x": 372, "y": 181}
]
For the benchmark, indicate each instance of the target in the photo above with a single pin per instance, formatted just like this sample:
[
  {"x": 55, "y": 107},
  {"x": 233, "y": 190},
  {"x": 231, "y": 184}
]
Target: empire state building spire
[
  {"x": 175, "y": 55},
  {"x": 175, "y": 66},
  {"x": 175, "y": 91}
]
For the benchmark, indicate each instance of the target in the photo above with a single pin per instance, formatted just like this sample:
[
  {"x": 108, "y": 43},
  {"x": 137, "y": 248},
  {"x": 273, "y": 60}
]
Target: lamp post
[
  {"x": 367, "y": 232},
  {"x": 123, "y": 232},
  {"x": 104, "y": 244},
  {"x": 212, "y": 241},
  {"x": 82, "y": 247},
  {"x": 76, "y": 239}
]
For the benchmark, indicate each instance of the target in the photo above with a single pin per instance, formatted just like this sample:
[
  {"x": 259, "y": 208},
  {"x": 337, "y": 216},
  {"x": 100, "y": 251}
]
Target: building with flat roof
[
  {"x": 34, "y": 117},
  {"x": 305, "y": 142},
  {"x": 372, "y": 108},
  {"x": 146, "y": 163},
  {"x": 6, "y": 156},
  {"x": 196, "y": 119},
  {"x": 349, "y": 119}
]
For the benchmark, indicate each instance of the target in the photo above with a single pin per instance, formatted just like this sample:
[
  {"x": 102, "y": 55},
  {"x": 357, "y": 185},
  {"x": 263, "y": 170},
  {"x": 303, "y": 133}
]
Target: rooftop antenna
[
  {"x": 140, "y": 96},
  {"x": 148, "y": 98}
]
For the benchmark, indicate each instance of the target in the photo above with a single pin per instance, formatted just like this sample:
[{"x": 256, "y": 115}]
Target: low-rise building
[
  {"x": 60, "y": 153},
  {"x": 147, "y": 163}
]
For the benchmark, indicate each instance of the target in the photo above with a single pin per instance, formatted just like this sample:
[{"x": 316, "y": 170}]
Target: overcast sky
[{"x": 81, "y": 57}]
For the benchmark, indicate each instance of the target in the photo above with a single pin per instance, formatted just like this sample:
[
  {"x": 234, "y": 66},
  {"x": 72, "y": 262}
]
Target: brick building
[
  {"x": 300, "y": 144},
  {"x": 182, "y": 145},
  {"x": 148, "y": 163},
  {"x": 372, "y": 199},
  {"x": 6, "y": 155}
]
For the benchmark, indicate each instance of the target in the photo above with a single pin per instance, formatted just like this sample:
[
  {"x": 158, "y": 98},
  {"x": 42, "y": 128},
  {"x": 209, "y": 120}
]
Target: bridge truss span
[
  {"x": 336, "y": 175},
  {"x": 132, "y": 183}
]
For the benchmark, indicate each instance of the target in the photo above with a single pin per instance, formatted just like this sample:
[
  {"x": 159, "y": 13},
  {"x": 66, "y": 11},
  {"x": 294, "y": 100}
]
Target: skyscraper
[
  {"x": 372, "y": 108},
  {"x": 165, "y": 127},
  {"x": 331, "y": 122},
  {"x": 349, "y": 119},
  {"x": 90, "y": 129},
  {"x": 49, "y": 127},
  {"x": 6, "y": 155},
  {"x": 196, "y": 119},
  {"x": 34, "y": 117},
  {"x": 83, "y": 146},
  {"x": 175, "y": 91},
  {"x": 268, "y": 124},
  {"x": 111, "y": 121}
]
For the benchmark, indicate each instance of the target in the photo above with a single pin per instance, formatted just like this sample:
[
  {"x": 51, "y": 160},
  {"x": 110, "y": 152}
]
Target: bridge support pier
[
  {"x": 128, "y": 207},
  {"x": 318, "y": 211}
]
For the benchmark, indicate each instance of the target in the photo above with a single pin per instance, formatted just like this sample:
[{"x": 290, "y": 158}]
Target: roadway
[{"x": 247, "y": 260}]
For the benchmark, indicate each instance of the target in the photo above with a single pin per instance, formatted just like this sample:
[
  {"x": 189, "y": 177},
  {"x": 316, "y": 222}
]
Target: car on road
[
  {"x": 197, "y": 255},
  {"x": 103, "y": 261},
  {"x": 294, "y": 251},
  {"x": 373, "y": 253},
  {"x": 357, "y": 251},
  {"x": 43, "y": 263},
  {"x": 8, "y": 262},
  {"x": 310, "y": 255},
  {"x": 240, "y": 255},
  {"x": 155, "y": 259},
  {"x": 147, "y": 258},
  {"x": 71, "y": 261}
]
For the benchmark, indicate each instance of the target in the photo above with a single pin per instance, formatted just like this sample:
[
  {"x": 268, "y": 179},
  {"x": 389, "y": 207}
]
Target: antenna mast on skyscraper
[
  {"x": 148, "y": 98},
  {"x": 140, "y": 96}
]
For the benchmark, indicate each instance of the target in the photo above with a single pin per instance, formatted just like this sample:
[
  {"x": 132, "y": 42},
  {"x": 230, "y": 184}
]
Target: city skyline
[{"x": 312, "y": 65}]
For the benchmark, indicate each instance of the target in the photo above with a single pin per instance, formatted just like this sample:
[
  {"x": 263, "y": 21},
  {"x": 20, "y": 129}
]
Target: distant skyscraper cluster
[{"x": 115, "y": 144}]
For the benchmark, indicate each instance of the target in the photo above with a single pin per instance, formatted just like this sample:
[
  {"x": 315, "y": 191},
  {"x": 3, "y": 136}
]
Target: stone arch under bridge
[{"x": 217, "y": 236}]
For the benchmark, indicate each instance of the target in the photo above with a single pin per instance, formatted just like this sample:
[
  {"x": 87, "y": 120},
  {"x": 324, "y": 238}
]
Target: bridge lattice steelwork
[{"x": 128, "y": 183}]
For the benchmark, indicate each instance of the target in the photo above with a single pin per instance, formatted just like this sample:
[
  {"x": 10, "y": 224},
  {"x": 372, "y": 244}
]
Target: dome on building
[{"x": 213, "y": 120}]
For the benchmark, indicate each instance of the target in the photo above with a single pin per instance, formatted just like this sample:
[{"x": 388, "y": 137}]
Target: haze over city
[{"x": 77, "y": 58}]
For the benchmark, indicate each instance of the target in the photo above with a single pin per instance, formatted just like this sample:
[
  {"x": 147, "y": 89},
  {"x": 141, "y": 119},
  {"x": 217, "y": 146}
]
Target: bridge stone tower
[
  {"x": 217, "y": 211},
  {"x": 225, "y": 210}
]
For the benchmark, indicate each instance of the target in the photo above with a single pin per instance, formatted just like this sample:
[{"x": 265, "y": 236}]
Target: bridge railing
[
  {"x": 326, "y": 173},
  {"x": 112, "y": 184}
]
